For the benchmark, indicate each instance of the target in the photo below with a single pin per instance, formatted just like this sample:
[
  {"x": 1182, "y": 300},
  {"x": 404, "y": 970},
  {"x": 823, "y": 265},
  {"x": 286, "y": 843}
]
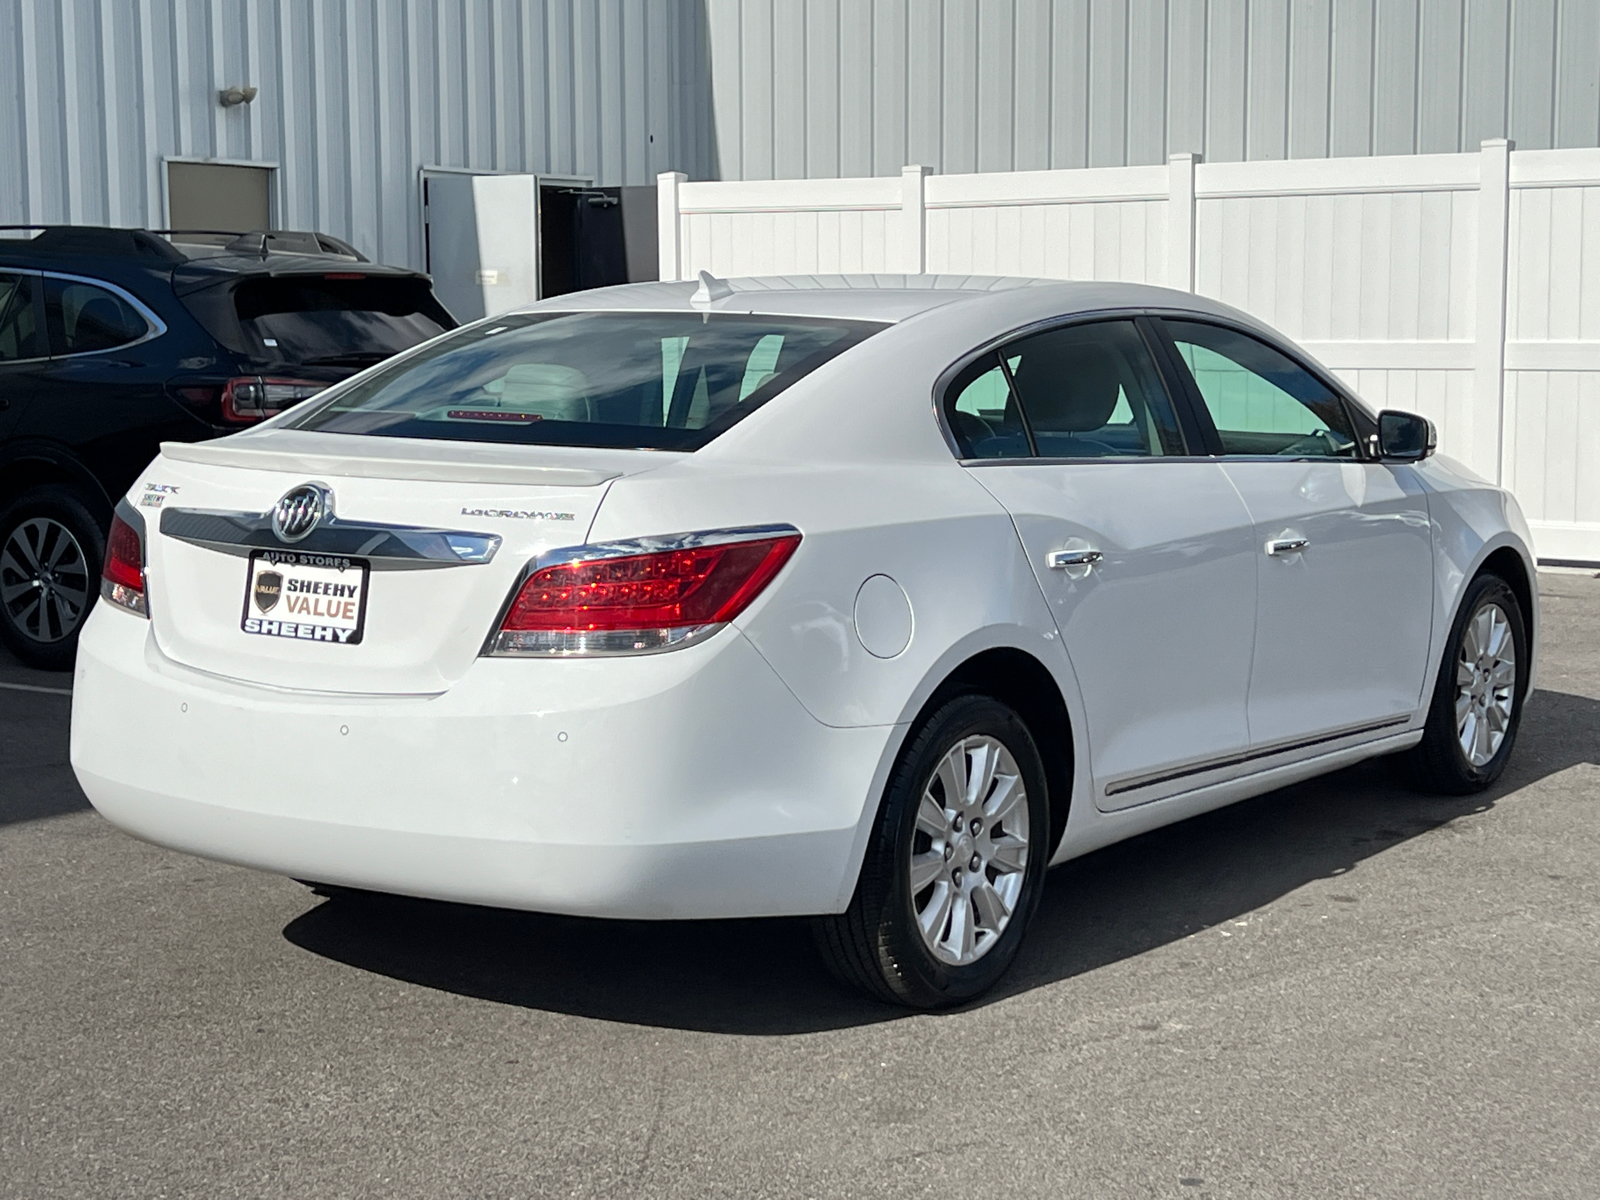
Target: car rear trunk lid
[{"x": 424, "y": 546}]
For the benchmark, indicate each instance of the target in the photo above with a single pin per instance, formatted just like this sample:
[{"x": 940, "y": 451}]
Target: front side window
[
  {"x": 83, "y": 318},
  {"x": 18, "y": 318},
  {"x": 669, "y": 381},
  {"x": 1261, "y": 402}
]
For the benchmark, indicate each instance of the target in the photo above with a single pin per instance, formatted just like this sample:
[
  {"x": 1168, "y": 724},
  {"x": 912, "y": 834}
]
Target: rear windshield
[
  {"x": 668, "y": 381},
  {"x": 321, "y": 321}
]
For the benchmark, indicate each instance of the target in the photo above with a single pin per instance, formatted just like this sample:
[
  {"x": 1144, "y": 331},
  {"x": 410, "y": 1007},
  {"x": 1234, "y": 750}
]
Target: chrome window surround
[
  {"x": 386, "y": 547},
  {"x": 675, "y": 640},
  {"x": 154, "y": 325}
]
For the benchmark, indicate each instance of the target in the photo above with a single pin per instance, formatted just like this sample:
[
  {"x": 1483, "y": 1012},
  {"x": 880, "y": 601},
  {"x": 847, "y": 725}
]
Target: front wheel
[
  {"x": 955, "y": 864},
  {"x": 1477, "y": 698}
]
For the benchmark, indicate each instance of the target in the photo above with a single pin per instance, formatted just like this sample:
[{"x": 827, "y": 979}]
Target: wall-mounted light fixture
[{"x": 236, "y": 95}]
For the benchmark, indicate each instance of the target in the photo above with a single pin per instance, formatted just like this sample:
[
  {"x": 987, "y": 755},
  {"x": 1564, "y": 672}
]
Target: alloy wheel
[
  {"x": 44, "y": 580},
  {"x": 1486, "y": 682},
  {"x": 969, "y": 851}
]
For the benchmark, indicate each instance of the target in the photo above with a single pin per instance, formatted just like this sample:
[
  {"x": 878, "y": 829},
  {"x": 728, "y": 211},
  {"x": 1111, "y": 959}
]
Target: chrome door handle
[
  {"x": 1060, "y": 560},
  {"x": 1287, "y": 545}
]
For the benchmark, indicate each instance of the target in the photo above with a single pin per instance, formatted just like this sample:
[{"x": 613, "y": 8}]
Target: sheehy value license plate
[{"x": 309, "y": 597}]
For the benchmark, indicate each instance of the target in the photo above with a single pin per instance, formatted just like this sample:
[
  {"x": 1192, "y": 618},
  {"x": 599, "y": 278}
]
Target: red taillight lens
[
  {"x": 252, "y": 398},
  {"x": 635, "y": 602},
  {"x": 122, "y": 580}
]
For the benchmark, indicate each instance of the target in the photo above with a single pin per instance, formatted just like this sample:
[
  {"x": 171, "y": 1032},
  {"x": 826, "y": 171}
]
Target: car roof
[{"x": 885, "y": 297}]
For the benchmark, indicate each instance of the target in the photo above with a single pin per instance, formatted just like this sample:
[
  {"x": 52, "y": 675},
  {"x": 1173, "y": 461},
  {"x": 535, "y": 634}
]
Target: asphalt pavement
[{"x": 1340, "y": 989}]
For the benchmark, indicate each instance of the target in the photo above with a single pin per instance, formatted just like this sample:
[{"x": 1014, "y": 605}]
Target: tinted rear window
[
  {"x": 318, "y": 321},
  {"x": 669, "y": 381}
]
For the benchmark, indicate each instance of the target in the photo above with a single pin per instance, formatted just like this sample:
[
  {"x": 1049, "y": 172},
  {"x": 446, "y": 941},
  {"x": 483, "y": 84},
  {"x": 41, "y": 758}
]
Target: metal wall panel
[
  {"x": 998, "y": 85},
  {"x": 355, "y": 96}
]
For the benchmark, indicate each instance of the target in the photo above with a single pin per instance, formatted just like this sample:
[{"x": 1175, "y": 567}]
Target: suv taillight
[
  {"x": 251, "y": 398},
  {"x": 615, "y": 599},
  {"x": 122, "y": 580}
]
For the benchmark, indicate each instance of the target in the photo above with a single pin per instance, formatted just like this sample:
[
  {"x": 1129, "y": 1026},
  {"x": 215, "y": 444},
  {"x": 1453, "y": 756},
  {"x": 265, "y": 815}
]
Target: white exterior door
[
  {"x": 1146, "y": 556},
  {"x": 1343, "y": 546}
]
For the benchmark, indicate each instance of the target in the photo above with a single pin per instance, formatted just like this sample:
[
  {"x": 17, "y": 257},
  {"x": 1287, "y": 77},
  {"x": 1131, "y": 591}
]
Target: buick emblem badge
[
  {"x": 300, "y": 511},
  {"x": 269, "y": 586}
]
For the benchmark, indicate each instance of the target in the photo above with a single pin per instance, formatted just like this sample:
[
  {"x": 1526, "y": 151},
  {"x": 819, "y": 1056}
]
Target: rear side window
[
  {"x": 1081, "y": 391},
  {"x": 668, "y": 381},
  {"x": 84, "y": 318},
  {"x": 19, "y": 318},
  {"x": 318, "y": 320}
]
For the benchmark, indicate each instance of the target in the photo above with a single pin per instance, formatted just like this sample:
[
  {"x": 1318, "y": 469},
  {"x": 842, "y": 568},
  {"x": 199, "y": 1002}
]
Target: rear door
[
  {"x": 22, "y": 346},
  {"x": 1343, "y": 547},
  {"x": 1144, "y": 552},
  {"x": 103, "y": 392}
]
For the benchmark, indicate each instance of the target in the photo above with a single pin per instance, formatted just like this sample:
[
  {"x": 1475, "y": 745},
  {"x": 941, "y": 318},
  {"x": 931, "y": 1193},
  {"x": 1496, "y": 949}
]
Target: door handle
[
  {"x": 1060, "y": 560},
  {"x": 1278, "y": 547}
]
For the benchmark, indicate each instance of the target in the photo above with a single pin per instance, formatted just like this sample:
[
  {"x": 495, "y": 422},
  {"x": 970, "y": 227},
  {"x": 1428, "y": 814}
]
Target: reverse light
[
  {"x": 638, "y": 597},
  {"x": 122, "y": 579}
]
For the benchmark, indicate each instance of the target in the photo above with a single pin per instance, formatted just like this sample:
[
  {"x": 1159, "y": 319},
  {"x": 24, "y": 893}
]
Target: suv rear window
[
  {"x": 319, "y": 320},
  {"x": 668, "y": 381}
]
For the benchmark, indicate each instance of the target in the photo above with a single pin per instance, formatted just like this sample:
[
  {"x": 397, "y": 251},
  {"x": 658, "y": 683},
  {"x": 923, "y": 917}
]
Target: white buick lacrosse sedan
[{"x": 864, "y": 599}]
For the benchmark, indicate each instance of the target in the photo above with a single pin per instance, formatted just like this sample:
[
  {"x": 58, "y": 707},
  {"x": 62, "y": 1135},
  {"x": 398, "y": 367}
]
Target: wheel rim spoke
[
  {"x": 931, "y": 818},
  {"x": 925, "y": 868}
]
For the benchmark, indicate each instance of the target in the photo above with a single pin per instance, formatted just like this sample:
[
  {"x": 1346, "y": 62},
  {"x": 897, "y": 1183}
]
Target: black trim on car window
[{"x": 1197, "y": 432}]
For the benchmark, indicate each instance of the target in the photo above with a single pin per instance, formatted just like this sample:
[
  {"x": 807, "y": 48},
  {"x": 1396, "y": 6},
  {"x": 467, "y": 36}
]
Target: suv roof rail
[
  {"x": 271, "y": 241},
  {"x": 158, "y": 243},
  {"x": 96, "y": 239}
]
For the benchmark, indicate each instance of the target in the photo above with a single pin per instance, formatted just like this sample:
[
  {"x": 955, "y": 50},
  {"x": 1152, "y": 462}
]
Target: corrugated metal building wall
[
  {"x": 812, "y": 88},
  {"x": 355, "y": 96}
]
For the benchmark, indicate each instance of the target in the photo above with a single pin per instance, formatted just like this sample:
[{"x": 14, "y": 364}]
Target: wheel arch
[
  {"x": 1509, "y": 565},
  {"x": 1019, "y": 680},
  {"x": 33, "y": 467}
]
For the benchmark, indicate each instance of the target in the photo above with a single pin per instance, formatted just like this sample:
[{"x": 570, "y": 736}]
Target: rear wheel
[
  {"x": 955, "y": 864},
  {"x": 50, "y": 556},
  {"x": 1477, "y": 699}
]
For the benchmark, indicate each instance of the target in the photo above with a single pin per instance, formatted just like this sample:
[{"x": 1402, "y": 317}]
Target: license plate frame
[{"x": 324, "y": 617}]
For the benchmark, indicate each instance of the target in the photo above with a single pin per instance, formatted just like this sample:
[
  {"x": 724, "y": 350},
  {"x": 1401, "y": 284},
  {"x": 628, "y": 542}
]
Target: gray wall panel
[
  {"x": 355, "y": 96},
  {"x": 1578, "y": 75},
  {"x": 960, "y": 85}
]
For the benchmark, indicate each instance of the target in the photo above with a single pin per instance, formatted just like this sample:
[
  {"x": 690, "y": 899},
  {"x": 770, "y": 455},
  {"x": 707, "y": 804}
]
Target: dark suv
[{"x": 113, "y": 341}]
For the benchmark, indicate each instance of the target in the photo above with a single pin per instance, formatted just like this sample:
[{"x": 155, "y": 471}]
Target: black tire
[
  {"x": 45, "y": 635},
  {"x": 876, "y": 945},
  {"x": 1439, "y": 763}
]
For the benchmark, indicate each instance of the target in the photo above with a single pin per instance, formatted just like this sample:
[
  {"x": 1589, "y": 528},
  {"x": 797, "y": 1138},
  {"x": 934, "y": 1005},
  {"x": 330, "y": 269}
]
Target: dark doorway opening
[{"x": 595, "y": 237}]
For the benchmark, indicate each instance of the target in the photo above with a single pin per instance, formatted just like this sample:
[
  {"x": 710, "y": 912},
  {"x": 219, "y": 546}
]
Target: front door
[
  {"x": 1145, "y": 554},
  {"x": 1343, "y": 546}
]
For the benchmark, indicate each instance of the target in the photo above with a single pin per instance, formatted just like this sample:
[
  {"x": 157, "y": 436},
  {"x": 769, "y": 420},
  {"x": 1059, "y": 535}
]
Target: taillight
[
  {"x": 252, "y": 398},
  {"x": 122, "y": 580},
  {"x": 633, "y": 598}
]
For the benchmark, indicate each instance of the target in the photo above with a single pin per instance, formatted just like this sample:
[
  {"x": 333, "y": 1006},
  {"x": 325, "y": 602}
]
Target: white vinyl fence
[{"x": 1462, "y": 286}]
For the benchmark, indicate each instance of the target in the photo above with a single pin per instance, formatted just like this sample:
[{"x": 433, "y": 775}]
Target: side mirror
[{"x": 1405, "y": 436}]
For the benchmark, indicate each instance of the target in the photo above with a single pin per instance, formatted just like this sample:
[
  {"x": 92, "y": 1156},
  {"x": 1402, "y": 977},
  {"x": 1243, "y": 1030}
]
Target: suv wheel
[
  {"x": 955, "y": 864},
  {"x": 50, "y": 554}
]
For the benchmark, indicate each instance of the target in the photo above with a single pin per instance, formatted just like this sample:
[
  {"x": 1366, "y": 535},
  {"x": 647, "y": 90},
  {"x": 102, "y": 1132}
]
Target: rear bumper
[{"x": 681, "y": 785}]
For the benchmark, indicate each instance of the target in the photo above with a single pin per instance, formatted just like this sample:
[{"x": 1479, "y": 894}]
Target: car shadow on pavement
[{"x": 763, "y": 978}]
